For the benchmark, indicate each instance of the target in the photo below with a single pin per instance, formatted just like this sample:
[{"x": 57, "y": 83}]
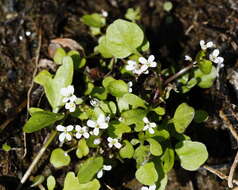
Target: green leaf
[
  {"x": 183, "y": 117},
  {"x": 123, "y": 38},
  {"x": 167, "y": 6},
  {"x": 82, "y": 149},
  {"x": 77, "y": 60},
  {"x": 205, "y": 80},
  {"x": 200, "y": 116},
  {"x": 39, "y": 179},
  {"x": 127, "y": 151},
  {"x": 147, "y": 174},
  {"x": 108, "y": 107},
  {"x": 99, "y": 92},
  {"x": 51, "y": 182},
  {"x": 59, "y": 158},
  {"x": 89, "y": 168},
  {"x": 159, "y": 110},
  {"x": 102, "y": 48},
  {"x": 94, "y": 20},
  {"x": 6, "y": 147},
  {"x": 133, "y": 14},
  {"x": 32, "y": 110},
  {"x": 106, "y": 81},
  {"x": 155, "y": 147},
  {"x": 41, "y": 120},
  {"x": 117, "y": 88},
  {"x": 72, "y": 183},
  {"x": 141, "y": 154},
  {"x": 168, "y": 159},
  {"x": 191, "y": 154},
  {"x": 134, "y": 116},
  {"x": 205, "y": 66},
  {"x": 117, "y": 129},
  {"x": 133, "y": 100},
  {"x": 163, "y": 182},
  {"x": 59, "y": 55},
  {"x": 62, "y": 79}
]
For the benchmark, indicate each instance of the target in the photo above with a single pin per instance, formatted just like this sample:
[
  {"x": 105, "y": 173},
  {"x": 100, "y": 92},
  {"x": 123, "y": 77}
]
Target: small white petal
[
  {"x": 96, "y": 131},
  {"x": 144, "y": 68},
  {"x": 60, "y": 128},
  {"x": 146, "y": 72},
  {"x": 103, "y": 125},
  {"x": 210, "y": 44},
  {"x": 86, "y": 135},
  {"x": 145, "y": 119},
  {"x": 66, "y": 99},
  {"x": 109, "y": 139},
  {"x": 101, "y": 119},
  {"x": 216, "y": 52},
  {"x": 68, "y": 137},
  {"x": 188, "y": 58},
  {"x": 78, "y": 127},
  {"x": 78, "y": 135},
  {"x": 202, "y": 45},
  {"x": 151, "y": 131},
  {"x": 142, "y": 60},
  {"x": 100, "y": 174},
  {"x": 72, "y": 98},
  {"x": 130, "y": 90},
  {"x": 153, "y": 125},
  {"x": 153, "y": 64},
  {"x": 91, "y": 123},
  {"x": 144, "y": 188},
  {"x": 151, "y": 58},
  {"x": 145, "y": 127},
  {"x": 130, "y": 84},
  {"x": 219, "y": 60},
  {"x": 97, "y": 141},
  {"x": 70, "y": 89},
  {"x": 72, "y": 108},
  {"x": 69, "y": 128},
  {"x": 62, "y": 136},
  {"x": 152, "y": 187},
  {"x": 118, "y": 145},
  {"x": 107, "y": 167}
]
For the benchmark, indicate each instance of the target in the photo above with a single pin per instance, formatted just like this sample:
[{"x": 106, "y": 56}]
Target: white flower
[
  {"x": 214, "y": 57},
  {"x": 94, "y": 102},
  {"x": 151, "y": 187},
  {"x": 101, "y": 123},
  {"x": 207, "y": 45},
  {"x": 113, "y": 142},
  {"x": 65, "y": 132},
  {"x": 149, "y": 126},
  {"x": 71, "y": 106},
  {"x": 188, "y": 58},
  {"x": 130, "y": 84},
  {"x": 104, "y": 13},
  {"x": 105, "y": 168},
  {"x": 97, "y": 141},
  {"x": 148, "y": 63},
  {"x": 68, "y": 91},
  {"x": 131, "y": 65},
  {"x": 81, "y": 131}
]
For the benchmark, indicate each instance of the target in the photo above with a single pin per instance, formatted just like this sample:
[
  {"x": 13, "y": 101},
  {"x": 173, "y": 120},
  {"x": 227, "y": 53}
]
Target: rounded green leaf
[
  {"x": 155, "y": 147},
  {"x": 159, "y": 110},
  {"x": 183, "y": 117},
  {"x": 133, "y": 100},
  {"x": 59, "y": 158},
  {"x": 117, "y": 88},
  {"x": 123, "y": 38},
  {"x": 41, "y": 119},
  {"x": 141, "y": 154},
  {"x": 191, "y": 154},
  {"x": 82, "y": 149},
  {"x": 94, "y": 20},
  {"x": 71, "y": 182},
  {"x": 59, "y": 55},
  {"x": 89, "y": 168},
  {"x": 205, "y": 80},
  {"x": 147, "y": 174},
  {"x": 117, "y": 129},
  {"x": 205, "y": 66},
  {"x": 127, "y": 151},
  {"x": 51, "y": 182},
  {"x": 6, "y": 147},
  {"x": 38, "y": 180},
  {"x": 102, "y": 48}
]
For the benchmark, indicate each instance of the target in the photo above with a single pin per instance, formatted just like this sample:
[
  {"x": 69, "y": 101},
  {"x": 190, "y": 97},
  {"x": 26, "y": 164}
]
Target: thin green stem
[{"x": 48, "y": 141}]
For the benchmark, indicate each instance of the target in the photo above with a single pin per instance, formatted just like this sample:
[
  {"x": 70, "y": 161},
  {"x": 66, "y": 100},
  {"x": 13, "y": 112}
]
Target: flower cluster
[
  {"x": 69, "y": 99},
  {"x": 149, "y": 125},
  {"x": 141, "y": 67},
  {"x": 66, "y": 132}
]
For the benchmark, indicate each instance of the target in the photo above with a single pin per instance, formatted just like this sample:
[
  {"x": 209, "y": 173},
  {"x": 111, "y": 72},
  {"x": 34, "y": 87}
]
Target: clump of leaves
[{"x": 110, "y": 120}]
